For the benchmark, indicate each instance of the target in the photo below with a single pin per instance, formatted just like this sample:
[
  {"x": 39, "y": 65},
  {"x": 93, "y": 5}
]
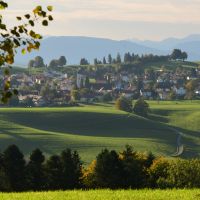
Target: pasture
[
  {"x": 184, "y": 116},
  {"x": 90, "y": 128},
  {"x": 87, "y": 129}
]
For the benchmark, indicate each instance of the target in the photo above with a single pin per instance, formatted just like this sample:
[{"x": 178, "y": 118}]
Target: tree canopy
[
  {"x": 141, "y": 107},
  {"x": 124, "y": 104},
  {"x": 177, "y": 54}
]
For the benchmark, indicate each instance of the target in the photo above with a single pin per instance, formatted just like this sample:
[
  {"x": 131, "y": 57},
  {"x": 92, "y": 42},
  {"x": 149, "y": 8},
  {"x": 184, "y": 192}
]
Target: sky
[{"x": 115, "y": 19}]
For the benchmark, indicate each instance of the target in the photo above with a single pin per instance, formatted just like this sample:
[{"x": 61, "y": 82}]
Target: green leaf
[
  {"x": 31, "y": 22},
  {"x": 19, "y": 18},
  {"x": 50, "y": 18},
  {"x": 38, "y": 36},
  {"x": 50, "y": 8},
  {"x": 3, "y": 26},
  {"x": 27, "y": 16},
  {"x": 16, "y": 42},
  {"x": 45, "y": 23},
  {"x": 43, "y": 13},
  {"x": 3, "y": 5},
  {"x": 23, "y": 51},
  {"x": 21, "y": 30},
  {"x": 32, "y": 34},
  {"x": 7, "y": 86},
  {"x": 37, "y": 9},
  {"x": 9, "y": 58}
]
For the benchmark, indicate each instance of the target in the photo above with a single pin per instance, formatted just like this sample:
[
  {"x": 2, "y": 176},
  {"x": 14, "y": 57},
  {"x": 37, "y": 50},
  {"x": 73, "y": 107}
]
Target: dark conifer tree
[
  {"x": 54, "y": 175},
  {"x": 14, "y": 169},
  {"x": 110, "y": 60},
  {"x": 132, "y": 169},
  {"x": 108, "y": 170},
  {"x": 118, "y": 59},
  {"x": 72, "y": 169},
  {"x": 35, "y": 171},
  {"x": 104, "y": 61}
]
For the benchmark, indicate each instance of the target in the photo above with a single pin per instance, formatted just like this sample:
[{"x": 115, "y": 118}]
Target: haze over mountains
[
  {"x": 76, "y": 47},
  {"x": 190, "y": 44}
]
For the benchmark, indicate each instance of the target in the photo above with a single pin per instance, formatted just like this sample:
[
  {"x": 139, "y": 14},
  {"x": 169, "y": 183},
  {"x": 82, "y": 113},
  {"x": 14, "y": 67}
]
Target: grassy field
[
  {"x": 107, "y": 194},
  {"x": 87, "y": 129},
  {"x": 184, "y": 116}
]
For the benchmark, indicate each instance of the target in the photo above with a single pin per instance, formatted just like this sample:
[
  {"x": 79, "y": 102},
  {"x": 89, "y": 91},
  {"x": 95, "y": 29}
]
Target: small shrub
[
  {"x": 124, "y": 104},
  {"x": 141, "y": 107}
]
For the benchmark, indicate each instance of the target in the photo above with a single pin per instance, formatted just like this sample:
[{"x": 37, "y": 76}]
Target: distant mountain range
[
  {"x": 75, "y": 48},
  {"x": 190, "y": 44}
]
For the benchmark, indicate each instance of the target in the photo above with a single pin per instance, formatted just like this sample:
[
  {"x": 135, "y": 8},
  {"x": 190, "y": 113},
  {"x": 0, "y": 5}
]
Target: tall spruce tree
[
  {"x": 35, "y": 171},
  {"x": 14, "y": 169},
  {"x": 54, "y": 174},
  {"x": 118, "y": 59},
  {"x": 110, "y": 60},
  {"x": 104, "y": 61},
  {"x": 132, "y": 169},
  {"x": 108, "y": 170},
  {"x": 72, "y": 169}
]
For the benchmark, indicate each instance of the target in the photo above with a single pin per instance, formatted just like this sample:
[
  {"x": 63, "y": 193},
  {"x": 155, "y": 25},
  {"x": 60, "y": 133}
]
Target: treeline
[
  {"x": 127, "y": 58},
  {"x": 124, "y": 170},
  {"x": 58, "y": 172},
  {"x": 130, "y": 58}
]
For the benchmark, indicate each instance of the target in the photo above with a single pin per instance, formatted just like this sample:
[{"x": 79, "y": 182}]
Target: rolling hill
[
  {"x": 87, "y": 129},
  {"x": 184, "y": 116},
  {"x": 91, "y": 128}
]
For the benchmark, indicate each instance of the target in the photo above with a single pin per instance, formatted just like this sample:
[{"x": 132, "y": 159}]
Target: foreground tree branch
[{"x": 21, "y": 35}]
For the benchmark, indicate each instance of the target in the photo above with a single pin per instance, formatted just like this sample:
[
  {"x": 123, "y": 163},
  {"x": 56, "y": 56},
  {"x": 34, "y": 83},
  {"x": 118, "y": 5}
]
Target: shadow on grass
[{"x": 158, "y": 118}]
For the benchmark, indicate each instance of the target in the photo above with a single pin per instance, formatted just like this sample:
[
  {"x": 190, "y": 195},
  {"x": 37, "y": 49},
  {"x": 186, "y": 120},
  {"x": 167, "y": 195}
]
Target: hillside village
[{"x": 101, "y": 82}]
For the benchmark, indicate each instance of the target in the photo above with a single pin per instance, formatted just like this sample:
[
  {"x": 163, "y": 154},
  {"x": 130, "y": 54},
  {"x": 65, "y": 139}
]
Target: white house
[{"x": 80, "y": 80}]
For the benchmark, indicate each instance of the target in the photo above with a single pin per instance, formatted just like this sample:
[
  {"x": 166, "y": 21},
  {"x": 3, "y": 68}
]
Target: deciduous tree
[
  {"x": 141, "y": 107},
  {"x": 124, "y": 104}
]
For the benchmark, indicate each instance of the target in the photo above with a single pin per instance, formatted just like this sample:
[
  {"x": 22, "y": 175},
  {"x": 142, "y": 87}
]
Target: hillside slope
[
  {"x": 184, "y": 116},
  {"x": 87, "y": 129}
]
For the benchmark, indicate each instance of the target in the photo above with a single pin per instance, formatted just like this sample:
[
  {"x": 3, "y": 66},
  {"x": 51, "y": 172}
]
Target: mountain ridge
[{"x": 76, "y": 47}]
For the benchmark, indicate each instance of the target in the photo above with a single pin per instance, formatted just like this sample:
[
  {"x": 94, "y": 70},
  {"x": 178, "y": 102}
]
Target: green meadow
[
  {"x": 90, "y": 128},
  {"x": 184, "y": 116},
  {"x": 106, "y": 194}
]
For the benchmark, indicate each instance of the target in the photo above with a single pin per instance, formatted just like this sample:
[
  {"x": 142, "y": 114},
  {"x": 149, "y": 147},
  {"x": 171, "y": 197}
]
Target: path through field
[{"x": 180, "y": 146}]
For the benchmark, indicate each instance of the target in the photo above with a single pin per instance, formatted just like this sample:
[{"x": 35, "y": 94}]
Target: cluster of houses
[
  {"x": 157, "y": 85},
  {"x": 161, "y": 85}
]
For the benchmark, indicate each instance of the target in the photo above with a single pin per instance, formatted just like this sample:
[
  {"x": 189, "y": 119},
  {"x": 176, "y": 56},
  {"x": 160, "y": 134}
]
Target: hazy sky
[{"x": 116, "y": 19}]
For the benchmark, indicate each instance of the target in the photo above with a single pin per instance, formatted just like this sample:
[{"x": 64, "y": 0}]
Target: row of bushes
[
  {"x": 141, "y": 107},
  {"x": 127, "y": 169}
]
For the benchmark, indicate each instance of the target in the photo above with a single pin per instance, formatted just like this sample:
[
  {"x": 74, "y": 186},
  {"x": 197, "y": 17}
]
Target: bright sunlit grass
[{"x": 106, "y": 195}]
